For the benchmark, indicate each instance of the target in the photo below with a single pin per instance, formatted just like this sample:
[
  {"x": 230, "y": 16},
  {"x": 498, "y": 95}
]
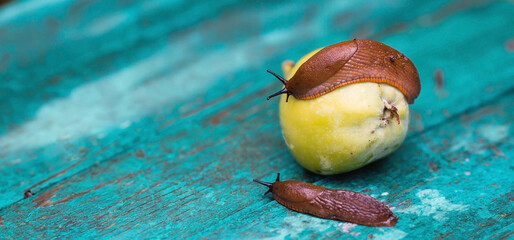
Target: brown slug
[
  {"x": 347, "y": 62},
  {"x": 329, "y": 203}
]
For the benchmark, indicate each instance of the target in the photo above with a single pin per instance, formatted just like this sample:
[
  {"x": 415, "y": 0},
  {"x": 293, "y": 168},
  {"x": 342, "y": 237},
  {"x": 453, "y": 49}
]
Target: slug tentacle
[
  {"x": 267, "y": 184},
  {"x": 279, "y": 93},
  {"x": 284, "y": 90},
  {"x": 283, "y": 80}
]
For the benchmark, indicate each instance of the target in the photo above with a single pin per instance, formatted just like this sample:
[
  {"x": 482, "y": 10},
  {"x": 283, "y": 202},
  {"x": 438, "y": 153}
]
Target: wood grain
[{"x": 149, "y": 118}]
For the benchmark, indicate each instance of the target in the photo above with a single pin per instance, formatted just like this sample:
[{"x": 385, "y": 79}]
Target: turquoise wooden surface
[{"x": 148, "y": 119}]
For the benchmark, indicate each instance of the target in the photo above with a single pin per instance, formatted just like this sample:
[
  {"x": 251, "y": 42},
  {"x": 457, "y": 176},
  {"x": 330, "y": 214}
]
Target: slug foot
[{"x": 390, "y": 112}]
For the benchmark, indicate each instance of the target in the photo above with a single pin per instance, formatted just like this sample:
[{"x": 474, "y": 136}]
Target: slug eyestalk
[
  {"x": 267, "y": 184},
  {"x": 284, "y": 90}
]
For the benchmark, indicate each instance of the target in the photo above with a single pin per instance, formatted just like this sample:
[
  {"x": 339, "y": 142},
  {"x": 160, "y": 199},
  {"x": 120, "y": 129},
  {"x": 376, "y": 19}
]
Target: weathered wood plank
[
  {"x": 455, "y": 185},
  {"x": 161, "y": 192},
  {"x": 160, "y": 133}
]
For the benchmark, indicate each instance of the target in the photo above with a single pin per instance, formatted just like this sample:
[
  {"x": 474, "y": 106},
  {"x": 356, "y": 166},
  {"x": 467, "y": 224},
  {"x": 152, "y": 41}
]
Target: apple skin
[{"x": 342, "y": 130}]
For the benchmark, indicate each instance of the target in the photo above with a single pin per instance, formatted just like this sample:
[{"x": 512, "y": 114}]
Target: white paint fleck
[
  {"x": 126, "y": 124},
  {"x": 16, "y": 161},
  {"x": 467, "y": 173},
  {"x": 105, "y": 24},
  {"x": 434, "y": 204},
  {"x": 384, "y": 194},
  {"x": 65, "y": 137},
  {"x": 347, "y": 227},
  {"x": 277, "y": 36},
  {"x": 461, "y": 143},
  {"x": 293, "y": 226},
  {"x": 392, "y": 233},
  {"x": 494, "y": 133},
  {"x": 491, "y": 132}
]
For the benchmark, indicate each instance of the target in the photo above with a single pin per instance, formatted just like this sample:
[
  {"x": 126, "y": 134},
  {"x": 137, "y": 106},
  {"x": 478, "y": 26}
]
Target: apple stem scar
[{"x": 393, "y": 110}]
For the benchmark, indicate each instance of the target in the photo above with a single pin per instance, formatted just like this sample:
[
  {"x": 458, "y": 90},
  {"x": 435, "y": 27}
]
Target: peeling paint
[
  {"x": 292, "y": 226},
  {"x": 434, "y": 204},
  {"x": 390, "y": 234}
]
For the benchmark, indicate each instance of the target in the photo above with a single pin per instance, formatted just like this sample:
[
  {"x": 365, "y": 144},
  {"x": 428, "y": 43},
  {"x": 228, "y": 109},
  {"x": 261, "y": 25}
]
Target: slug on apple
[{"x": 345, "y": 99}]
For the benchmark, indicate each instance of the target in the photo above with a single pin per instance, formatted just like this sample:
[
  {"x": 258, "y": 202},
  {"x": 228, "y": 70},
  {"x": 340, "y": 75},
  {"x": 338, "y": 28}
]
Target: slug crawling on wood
[
  {"x": 346, "y": 105},
  {"x": 329, "y": 203}
]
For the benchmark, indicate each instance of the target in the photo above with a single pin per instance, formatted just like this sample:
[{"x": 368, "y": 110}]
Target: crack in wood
[{"x": 44, "y": 199}]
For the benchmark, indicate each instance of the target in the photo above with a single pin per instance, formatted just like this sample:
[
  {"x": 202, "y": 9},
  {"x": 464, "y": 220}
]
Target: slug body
[
  {"x": 329, "y": 203},
  {"x": 353, "y": 61},
  {"x": 346, "y": 105}
]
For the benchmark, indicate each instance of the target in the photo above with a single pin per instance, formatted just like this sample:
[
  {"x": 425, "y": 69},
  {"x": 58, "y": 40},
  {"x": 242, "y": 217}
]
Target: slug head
[{"x": 267, "y": 184}]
